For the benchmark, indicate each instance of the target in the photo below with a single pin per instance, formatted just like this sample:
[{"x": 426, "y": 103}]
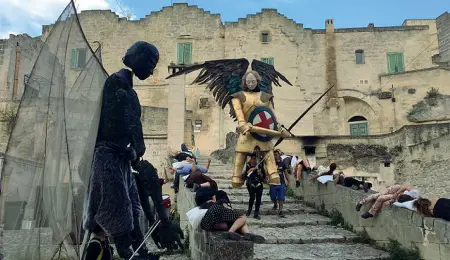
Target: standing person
[
  {"x": 255, "y": 176},
  {"x": 278, "y": 192}
]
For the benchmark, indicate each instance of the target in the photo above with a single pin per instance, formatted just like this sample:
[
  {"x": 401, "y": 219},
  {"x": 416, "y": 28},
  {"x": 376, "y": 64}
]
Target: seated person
[
  {"x": 222, "y": 217},
  {"x": 436, "y": 207},
  {"x": 381, "y": 199},
  {"x": 186, "y": 169},
  {"x": 351, "y": 182}
]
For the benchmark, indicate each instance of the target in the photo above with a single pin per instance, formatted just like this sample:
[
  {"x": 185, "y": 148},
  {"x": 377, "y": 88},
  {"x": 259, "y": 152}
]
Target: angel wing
[
  {"x": 268, "y": 76},
  {"x": 223, "y": 77}
]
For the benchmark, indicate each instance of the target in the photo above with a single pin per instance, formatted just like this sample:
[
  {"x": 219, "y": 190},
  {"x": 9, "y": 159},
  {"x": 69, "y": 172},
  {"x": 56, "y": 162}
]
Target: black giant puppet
[{"x": 112, "y": 202}]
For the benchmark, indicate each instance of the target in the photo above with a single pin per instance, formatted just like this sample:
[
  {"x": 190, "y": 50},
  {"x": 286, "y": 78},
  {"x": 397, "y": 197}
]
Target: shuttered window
[
  {"x": 267, "y": 60},
  {"x": 184, "y": 53},
  {"x": 78, "y": 58},
  {"x": 395, "y": 62}
]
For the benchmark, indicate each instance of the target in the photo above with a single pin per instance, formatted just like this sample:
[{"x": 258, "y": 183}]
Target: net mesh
[{"x": 49, "y": 153}]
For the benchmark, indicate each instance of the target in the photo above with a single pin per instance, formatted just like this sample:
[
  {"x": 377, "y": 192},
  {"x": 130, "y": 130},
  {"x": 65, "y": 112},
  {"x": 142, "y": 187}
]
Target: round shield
[{"x": 263, "y": 117}]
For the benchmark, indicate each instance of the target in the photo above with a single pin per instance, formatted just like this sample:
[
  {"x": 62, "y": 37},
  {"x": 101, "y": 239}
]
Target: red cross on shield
[{"x": 263, "y": 117}]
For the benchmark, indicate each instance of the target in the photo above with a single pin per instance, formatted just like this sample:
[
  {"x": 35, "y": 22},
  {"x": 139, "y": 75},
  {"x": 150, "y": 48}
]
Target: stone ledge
[
  {"x": 205, "y": 245},
  {"x": 430, "y": 235}
]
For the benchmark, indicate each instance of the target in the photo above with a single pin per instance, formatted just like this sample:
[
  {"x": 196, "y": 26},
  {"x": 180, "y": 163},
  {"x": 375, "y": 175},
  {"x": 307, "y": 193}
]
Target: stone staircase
[{"x": 302, "y": 235}]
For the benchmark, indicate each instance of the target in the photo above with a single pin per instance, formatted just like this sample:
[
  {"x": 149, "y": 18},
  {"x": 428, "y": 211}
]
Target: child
[{"x": 278, "y": 192}]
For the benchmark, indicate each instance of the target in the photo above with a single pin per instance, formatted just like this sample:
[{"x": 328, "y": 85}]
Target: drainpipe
[{"x": 16, "y": 72}]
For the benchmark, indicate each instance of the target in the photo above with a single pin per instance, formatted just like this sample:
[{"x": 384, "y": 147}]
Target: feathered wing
[
  {"x": 222, "y": 76},
  {"x": 268, "y": 76}
]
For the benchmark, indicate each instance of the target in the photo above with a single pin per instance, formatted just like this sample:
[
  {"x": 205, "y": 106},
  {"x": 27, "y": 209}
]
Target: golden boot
[
  {"x": 239, "y": 163},
  {"x": 271, "y": 166}
]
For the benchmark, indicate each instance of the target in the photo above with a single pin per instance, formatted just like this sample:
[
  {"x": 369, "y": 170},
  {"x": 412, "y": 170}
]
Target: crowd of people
[{"x": 219, "y": 215}]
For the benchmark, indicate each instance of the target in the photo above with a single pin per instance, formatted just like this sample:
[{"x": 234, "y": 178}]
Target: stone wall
[
  {"x": 27, "y": 244},
  {"x": 443, "y": 27},
  {"x": 209, "y": 245},
  {"x": 431, "y": 236}
]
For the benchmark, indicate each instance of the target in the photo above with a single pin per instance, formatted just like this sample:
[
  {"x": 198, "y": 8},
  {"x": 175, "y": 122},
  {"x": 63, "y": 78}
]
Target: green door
[{"x": 359, "y": 129}]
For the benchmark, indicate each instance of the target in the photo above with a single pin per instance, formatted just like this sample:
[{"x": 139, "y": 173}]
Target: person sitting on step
[
  {"x": 220, "y": 216},
  {"x": 301, "y": 166},
  {"x": 197, "y": 179}
]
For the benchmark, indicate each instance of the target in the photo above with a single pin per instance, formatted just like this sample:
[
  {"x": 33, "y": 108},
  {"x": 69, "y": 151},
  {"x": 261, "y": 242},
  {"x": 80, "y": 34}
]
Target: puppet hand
[
  {"x": 244, "y": 128},
  {"x": 169, "y": 235},
  {"x": 285, "y": 133}
]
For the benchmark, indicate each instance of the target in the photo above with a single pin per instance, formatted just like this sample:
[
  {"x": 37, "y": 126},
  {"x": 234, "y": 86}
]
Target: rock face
[
  {"x": 361, "y": 156},
  {"x": 434, "y": 107},
  {"x": 227, "y": 155},
  {"x": 302, "y": 235}
]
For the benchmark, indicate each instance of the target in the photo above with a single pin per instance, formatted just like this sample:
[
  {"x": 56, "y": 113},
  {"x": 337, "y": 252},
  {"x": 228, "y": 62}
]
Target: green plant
[
  {"x": 289, "y": 192},
  {"x": 397, "y": 252},
  {"x": 187, "y": 250},
  {"x": 364, "y": 238},
  {"x": 433, "y": 93}
]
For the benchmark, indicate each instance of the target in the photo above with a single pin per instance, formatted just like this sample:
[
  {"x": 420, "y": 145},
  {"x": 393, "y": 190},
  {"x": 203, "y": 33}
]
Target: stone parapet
[
  {"x": 430, "y": 235},
  {"x": 209, "y": 245}
]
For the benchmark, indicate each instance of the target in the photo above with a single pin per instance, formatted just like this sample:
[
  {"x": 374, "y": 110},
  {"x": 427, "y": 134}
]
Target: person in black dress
[{"x": 255, "y": 176}]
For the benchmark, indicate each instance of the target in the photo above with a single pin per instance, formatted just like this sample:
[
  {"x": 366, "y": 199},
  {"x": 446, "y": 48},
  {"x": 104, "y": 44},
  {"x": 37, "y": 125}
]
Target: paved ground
[{"x": 302, "y": 235}]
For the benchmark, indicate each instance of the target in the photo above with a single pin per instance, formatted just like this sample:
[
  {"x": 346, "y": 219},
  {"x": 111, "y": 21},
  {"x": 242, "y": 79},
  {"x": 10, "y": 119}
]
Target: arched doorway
[{"x": 358, "y": 126}]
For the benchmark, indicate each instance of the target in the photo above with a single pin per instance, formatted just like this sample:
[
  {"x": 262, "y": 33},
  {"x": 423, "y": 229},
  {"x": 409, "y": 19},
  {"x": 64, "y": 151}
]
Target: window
[
  {"x": 78, "y": 58},
  {"x": 358, "y": 126},
  {"x": 265, "y": 37},
  {"x": 359, "y": 55},
  {"x": 395, "y": 62},
  {"x": 184, "y": 53},
  {"x": 268, "y": 60}
]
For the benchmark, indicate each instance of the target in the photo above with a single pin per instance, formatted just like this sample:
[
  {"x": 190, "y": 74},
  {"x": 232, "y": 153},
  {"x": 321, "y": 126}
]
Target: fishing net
[{"x": 49, "y": 154}]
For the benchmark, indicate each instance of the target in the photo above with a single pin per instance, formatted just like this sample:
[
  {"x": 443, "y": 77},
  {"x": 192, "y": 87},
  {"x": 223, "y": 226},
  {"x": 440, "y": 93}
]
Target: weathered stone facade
[
  {"x": 443, "y": 27},
  {"x": 312, "y": 60}
]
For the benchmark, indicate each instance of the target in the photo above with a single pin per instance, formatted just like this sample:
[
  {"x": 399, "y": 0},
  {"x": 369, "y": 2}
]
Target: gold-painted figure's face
[{"x": 251, "y": 82}]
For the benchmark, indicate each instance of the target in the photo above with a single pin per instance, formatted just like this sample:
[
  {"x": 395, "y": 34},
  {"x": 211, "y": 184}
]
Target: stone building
[
  {"x": 383, "y": 76},
  {"x": 379, "y": 73}
]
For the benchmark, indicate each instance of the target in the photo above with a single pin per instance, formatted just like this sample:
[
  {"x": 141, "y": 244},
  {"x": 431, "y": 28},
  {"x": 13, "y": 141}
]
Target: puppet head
[
  {"x": 142, "y": 58},
  {"x": 251, "y": 81}
]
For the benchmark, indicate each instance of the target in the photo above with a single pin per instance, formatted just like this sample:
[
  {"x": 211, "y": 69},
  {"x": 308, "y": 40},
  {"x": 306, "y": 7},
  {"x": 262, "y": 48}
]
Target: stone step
[
  {"x": 288, "y": 220},
  {"x": 266, "y": 209},
  {"x": 317, "y": 252},
  {"x": 243, "y": 199},
  {"x": 304, "y": 234}
]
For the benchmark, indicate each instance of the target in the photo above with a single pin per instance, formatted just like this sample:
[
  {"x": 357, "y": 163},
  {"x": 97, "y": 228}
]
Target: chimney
[{"x": 329, "y": 26}]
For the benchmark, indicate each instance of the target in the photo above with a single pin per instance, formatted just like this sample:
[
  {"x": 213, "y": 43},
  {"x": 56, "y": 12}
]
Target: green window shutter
[
  {"x": 400, "y": 62},
  {"x": 74, "y": 58},
  {"x": 81, "y": 58},
  {"x": 187, "y": 53},
  {"x": 353, "y": 130},
  {"x": 391, "y": 62},
  {"x": 396, "y": 62},
  {"x": 363, "y": 129},
  {"x": 180, "y": 50},
  {"x": 268, "y": 60}
]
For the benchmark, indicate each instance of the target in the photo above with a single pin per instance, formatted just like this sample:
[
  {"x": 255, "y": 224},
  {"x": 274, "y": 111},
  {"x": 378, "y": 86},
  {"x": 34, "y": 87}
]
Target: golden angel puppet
[{"x": 249, "y": 95}]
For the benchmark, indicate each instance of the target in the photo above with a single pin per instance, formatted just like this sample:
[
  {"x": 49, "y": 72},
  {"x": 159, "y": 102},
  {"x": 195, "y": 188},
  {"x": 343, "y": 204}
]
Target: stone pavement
[{"x": 302, "y": 235}]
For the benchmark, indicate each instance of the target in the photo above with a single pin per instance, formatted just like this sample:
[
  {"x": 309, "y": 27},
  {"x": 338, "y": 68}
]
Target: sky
[{"x": 28, "y": 16}]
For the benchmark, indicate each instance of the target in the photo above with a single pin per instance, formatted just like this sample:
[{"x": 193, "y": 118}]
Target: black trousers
[{"x": 255, "y": 193}]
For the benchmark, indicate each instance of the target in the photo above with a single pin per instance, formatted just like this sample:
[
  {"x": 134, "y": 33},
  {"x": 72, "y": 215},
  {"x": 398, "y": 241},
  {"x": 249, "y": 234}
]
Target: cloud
[{"x": 28, "y": 16}]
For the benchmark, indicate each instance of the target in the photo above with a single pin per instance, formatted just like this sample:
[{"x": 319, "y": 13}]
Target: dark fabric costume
[
  {"x": 255, "y": 188},
  {"x": 112, "y": 201}
]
